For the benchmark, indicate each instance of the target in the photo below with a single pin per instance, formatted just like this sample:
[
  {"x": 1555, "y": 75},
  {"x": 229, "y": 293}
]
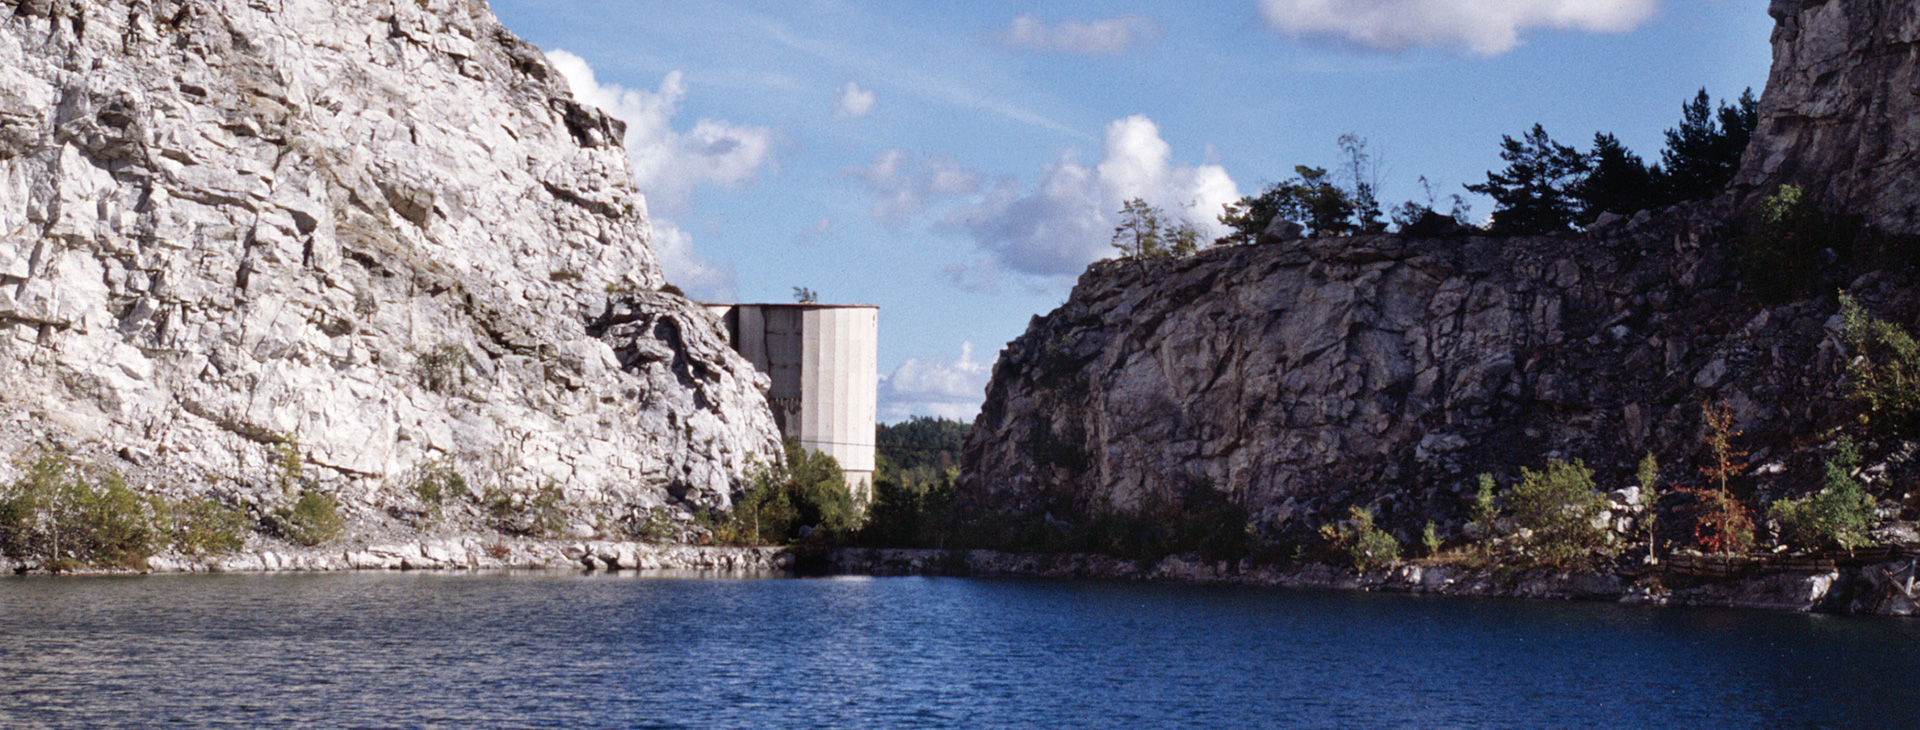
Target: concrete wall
[{"x": 823, "y": 361}]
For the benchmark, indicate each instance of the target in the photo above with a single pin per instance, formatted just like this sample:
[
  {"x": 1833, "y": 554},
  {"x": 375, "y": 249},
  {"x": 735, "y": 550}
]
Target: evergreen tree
[
  {"x": 1703, "y": 154},
  {"x": 1320, "y": 204},
  {"x": 1310, "y": 199},
  {"x": 1535, "y": 194},
  {"x": 1619, "y": 183}
]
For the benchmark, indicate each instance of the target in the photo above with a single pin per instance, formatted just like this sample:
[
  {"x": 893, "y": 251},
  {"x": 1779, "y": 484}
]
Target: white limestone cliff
[{"x": 381, "y": 230}]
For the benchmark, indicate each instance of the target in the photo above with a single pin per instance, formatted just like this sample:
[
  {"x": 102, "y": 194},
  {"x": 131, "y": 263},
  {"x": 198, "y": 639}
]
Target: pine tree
[
  {"x": 1620, "y": 182},
  {"x": 1703, "y": 154},
  {"x": 1310, "y": 199},
  {"x": 1535, "y": 194}
]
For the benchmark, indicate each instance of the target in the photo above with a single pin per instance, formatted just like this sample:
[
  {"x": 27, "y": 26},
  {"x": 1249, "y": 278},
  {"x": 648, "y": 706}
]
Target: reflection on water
[{"x": 592, "y": 651}]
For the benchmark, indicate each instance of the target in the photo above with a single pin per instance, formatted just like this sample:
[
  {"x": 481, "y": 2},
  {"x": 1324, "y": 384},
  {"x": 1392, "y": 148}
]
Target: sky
[{"x": 960, "y": 164}]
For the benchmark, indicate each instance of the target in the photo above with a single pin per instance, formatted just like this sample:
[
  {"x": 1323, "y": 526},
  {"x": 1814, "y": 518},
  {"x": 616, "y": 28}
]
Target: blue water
[{"x": 617, "y": 651}]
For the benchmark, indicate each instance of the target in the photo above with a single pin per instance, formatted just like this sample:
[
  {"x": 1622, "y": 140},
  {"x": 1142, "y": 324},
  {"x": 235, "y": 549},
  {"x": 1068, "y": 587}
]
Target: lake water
[{"x": 619, "y": 651}]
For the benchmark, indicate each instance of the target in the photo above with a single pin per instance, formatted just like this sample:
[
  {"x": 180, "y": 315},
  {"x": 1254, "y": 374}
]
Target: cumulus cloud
[
  {"x": 669, "y": 164},
  {"x": 855, "y": 102},
  {"x": 1067, "y": 220},
  {"x": 980, "y": 277},
  {"x": 1092, "y": 37},
  {"x": 902, "y": 186},
  {"x": 940, "y": 388},
  {"x": 701, "y": 279},
  {"x": 1483, "y": 27}
]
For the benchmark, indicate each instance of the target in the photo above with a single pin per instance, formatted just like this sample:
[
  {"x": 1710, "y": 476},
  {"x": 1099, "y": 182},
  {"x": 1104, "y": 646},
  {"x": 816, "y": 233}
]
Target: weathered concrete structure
[{"x": 823, "y": 363}]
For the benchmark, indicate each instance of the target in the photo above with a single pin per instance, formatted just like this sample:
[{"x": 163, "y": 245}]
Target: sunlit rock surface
[
  {"x": 381, "y": 230},
  {"x": 1840, "y": 116}
]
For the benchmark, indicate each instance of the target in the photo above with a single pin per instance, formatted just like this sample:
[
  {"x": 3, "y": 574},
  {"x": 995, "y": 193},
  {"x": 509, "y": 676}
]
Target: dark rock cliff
[
  {"x": 1841, "y": 114},
  {"x": 1300, "y": 377}
]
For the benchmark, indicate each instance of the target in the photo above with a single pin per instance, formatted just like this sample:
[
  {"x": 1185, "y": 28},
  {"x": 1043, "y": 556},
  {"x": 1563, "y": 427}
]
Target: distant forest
[{"x": 919, "y": 450}]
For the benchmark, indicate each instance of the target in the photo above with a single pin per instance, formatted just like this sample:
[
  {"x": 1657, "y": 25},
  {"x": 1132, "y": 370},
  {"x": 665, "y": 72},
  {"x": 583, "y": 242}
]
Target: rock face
[
  {"x": 1841, "y": 116},
  {"x": 1300, "y": 377},
  {"x": 1296, "y": 378},
  {"x": 381, "y": 231}
]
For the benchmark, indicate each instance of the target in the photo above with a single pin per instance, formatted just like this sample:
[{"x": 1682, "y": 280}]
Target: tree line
[{"x": 1546, "y": 187}]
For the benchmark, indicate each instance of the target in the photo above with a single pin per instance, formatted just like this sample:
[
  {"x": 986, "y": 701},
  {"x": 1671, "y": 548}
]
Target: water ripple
[{"x": 600, "y": 651}]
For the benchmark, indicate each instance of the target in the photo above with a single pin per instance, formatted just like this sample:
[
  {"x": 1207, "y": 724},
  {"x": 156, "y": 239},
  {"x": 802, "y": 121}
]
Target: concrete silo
[{"x": 823, "y": 361}]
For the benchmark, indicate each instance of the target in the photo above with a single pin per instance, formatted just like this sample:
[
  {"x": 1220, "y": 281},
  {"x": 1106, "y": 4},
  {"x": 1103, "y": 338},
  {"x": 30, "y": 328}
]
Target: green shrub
[
  {"x": 117, "y": 526},
  {"x": 1784, "y": 240},
  {"x": 1886, "y": 371},
  {"x": 537, "y": 514},
  {"x": 781, "y": 501},
  {"x": 1484, "y": 516},
  {"x": 909, "y": 512},
  {"x": 1211, "y": 524},
  {"x": 655, "y": 525},
  {"x": 55, "y": 514},
  {"x": 1365, "y": 546},
  {"x": 436, "y": 482},
  {"x": 1560, "y": 508},
  {"x": 202, "y": 526},
  {"x": 1430, "y": 539},
  {"x": 762, "y": 513},
  {"x": 312, "y": 519},
  {"x": 1648, "y": 474},
  {"x": 445, "y": 369},
  {"x": 287, "y": 462},
  {"x": 1840, "y": 514}
]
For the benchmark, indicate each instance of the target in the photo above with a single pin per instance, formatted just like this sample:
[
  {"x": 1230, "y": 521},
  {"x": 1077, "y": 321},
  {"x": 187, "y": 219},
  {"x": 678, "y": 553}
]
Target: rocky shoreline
[
  {"x": 466, "y": 553},
  {"x": 1885, "y": 589}
]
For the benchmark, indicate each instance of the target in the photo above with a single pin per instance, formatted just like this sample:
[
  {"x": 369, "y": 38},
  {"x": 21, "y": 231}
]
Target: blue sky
[{"x": 958, "y": 164}]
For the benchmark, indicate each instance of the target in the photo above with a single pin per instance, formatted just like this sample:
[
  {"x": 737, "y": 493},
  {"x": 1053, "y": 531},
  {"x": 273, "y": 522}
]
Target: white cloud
[
  {"x": 902, "y": 186},
  {"x": 702, "y": 280},
  {"x": 1484, "y": 27},
  {"x": 669, "y": 164},
  {"x": 980, "y": 277},
  {"x": 855, "y": 102},
  {"x": 940, "y": 388},
  {"x": 814, "y": 232},
  {"x": 1094, "y": 37},
  {"x": 1067, "y": 221}
]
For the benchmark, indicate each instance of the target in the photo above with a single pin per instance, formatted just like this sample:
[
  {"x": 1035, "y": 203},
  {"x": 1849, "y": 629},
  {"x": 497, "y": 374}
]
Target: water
[{"x": 601, "y": 651}]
